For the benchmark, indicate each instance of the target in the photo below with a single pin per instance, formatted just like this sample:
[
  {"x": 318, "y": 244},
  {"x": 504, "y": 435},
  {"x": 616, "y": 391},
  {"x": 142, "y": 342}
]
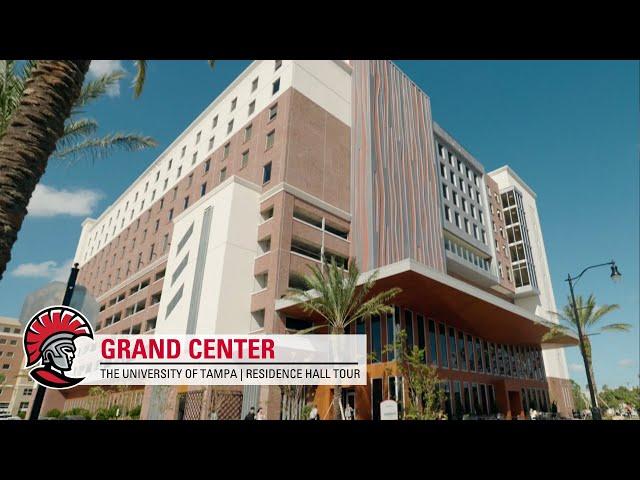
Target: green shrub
[
  {"x": 134, "y": 413},
  {"x": 54, "y": 413},
  {"x": 107, "y": 413},
  {"x": 22, "y": 414}
]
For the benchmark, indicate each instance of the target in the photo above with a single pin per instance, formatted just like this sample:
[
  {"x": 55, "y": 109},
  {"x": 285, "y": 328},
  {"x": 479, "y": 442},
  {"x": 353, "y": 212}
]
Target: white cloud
[
  {"x": 49, "y": 269},
  {"x": 576, "y": 367},
  {"x": 626, "y": 363},
  {"x": 103, "y": 67},
  {"x": 49, "y": 202}
]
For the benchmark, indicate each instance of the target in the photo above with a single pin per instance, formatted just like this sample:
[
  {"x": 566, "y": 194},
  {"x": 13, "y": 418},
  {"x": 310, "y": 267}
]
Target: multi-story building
[
  {"x": 297, "y": 162},
  {"x": 16, "y": 387}
]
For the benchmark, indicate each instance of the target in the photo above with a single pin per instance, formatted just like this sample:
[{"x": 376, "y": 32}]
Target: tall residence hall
[{"x": 298, "y": 162}]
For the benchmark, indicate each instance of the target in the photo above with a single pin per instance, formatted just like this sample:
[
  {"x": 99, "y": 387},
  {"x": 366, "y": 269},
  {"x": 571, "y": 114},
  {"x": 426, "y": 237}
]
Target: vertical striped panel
[{"x": 395, "y": 203}]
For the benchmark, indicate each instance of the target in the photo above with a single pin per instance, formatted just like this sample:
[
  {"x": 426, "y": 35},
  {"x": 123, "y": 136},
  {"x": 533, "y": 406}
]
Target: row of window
[
  {"x": 448, "y": 347},
  {"x": 465, "y": 253},
  {"x": 95, "y": 241},
  {"x": 3, "y": 341},
  {"x": 7, "y": 354},
  {"x": 10, "y": 330}
]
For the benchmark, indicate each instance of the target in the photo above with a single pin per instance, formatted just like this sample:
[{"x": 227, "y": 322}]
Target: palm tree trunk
[
  {"x": 31, "y": 138},
  {"x": 589, "y": 366},
  {"x": 337, "y": 389}
]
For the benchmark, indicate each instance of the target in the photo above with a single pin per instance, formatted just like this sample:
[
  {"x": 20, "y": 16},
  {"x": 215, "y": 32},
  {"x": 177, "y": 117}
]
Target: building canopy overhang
[{"x": 448, "y": 299}]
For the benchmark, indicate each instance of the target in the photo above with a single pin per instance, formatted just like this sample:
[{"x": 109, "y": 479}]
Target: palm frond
[
  {"x": 94, "y": 89},
  {"x": 141, "y": 75},
  {"x": 98, "y": 148},
  {"x": 11, "y": 88},
  {"x": 79, "y": 128},
  {"x": 596, "y": 316},
  {"x": 337, "y": 298},
  {"x": 616, "y": 327},
  {"x": 75, "y": 131}
]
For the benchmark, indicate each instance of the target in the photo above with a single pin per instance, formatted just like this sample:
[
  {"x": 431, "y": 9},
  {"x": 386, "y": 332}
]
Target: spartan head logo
[{"x": 49, "y": 340}]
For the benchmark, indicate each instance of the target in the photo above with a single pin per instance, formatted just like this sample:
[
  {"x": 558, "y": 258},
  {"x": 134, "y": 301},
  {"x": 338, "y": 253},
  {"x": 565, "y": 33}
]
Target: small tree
[
  {"x": 423, "y": 386},
  {"x": 339, "y": 298},
  {"x": 590, "y": 320}
]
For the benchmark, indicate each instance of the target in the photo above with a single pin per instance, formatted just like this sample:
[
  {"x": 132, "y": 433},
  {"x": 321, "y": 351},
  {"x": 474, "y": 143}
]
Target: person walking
[
  {"x": 251, "y": 415},
  {"x": 554, "y": 410},
  {"x": 348, "y": 412}
]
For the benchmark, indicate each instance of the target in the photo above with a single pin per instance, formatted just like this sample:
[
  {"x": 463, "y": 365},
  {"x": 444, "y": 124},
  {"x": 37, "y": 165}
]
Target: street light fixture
[{"x": 615, "y": 276}]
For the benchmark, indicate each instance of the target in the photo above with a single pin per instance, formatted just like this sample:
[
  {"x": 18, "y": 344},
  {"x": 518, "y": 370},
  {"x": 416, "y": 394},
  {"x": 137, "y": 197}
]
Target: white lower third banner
[{"x": 221, "y": 360}]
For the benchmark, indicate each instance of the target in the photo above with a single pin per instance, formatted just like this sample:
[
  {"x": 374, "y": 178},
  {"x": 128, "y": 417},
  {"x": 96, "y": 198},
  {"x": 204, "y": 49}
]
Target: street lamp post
[
  {"x": 40, "y": 390},
  {"x": 615, "y": 276}
]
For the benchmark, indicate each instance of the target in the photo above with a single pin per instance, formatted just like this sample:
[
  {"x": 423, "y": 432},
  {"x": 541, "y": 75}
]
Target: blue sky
[{"x": 570, "y": 129}]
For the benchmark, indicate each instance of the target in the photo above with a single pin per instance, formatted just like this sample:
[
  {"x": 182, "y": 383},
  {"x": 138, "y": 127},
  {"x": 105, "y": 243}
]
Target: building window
[
  {"x": 225, "y": 152},
  {"x": 214, "y": 123},
  {"x": 211, "y": 140},
  {"x": 179, "y": 171},
  {"x": 157, "y": 225},
  {"x": 457, "y": 216},
  {"x": 207, "y": 166},
  {"x": 252, "y": 107},
  {"x": 254, "y": 84},
  {"x": 462, "y": 351},
  {"x": 442, "y": 336},
  {"x": 447, "y": 213},
  {"x": 229, "y": 127},
  {"x": 234, "y": 102},
  {"x": 443, "y": 170},
  {"x": 453, "y": 349},
  {"x": 166, "y": 183},
  {"x": 270, "y": 139},
  {"x": 198, "y": 137},
  {"x": 266, "y": 173},
  {"x": 171, "y": 214},
  {"x": 223, "y": 174},
  {"x": 245, "y": 159},
  {"x": 203, "y": 189},
  {"x": 278, "y": 64},
  {"x": 475, "y": 232},
  {"x": 455, "y": 198},
  {"x": 273, "y": 112},
  {"x": 464, "y": 205},
  {"x": 184, "y": 150},
  {"x": 186, "y": 202},
  {"x": 433, "y": 343},
  {"x": 441, "y": 150},
  {"x": 276, "y": 87},
  {"x": 190, "y": 180},
  {"x": 194, "y": 158},
  {"x": 247, "y": 133},
  {"x": 466, "y": 226}
]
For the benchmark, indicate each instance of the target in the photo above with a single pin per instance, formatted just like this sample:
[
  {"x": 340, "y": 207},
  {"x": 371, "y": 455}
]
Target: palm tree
[
  {"x": 78, "y": 137},
  {"x": 31, "y": 132},
  {"x": 589, "y": 317},
  {"x": 338, "y": 298}
]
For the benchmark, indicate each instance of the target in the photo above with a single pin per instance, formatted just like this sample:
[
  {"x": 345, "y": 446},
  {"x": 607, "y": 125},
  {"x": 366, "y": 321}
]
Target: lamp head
[{"x": 616, "y": 276}]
